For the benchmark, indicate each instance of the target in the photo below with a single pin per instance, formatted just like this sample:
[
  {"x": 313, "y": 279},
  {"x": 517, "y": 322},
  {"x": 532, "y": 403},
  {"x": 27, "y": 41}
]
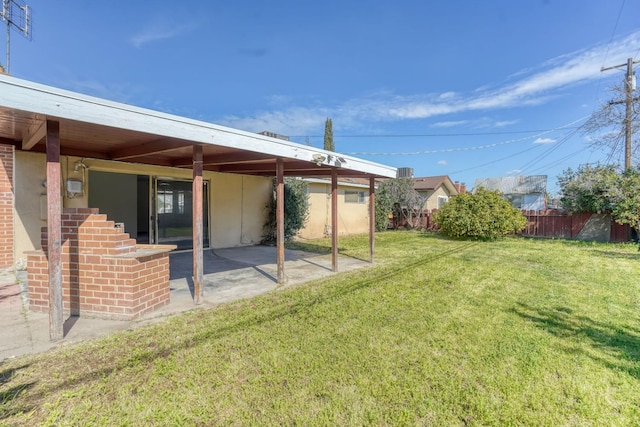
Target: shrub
[
  {"x": 296, "y": 210},
  {"x": 397, "y": 196},
  {"x": 383, "y": 207},
  {"x": 482, "y": 215}
]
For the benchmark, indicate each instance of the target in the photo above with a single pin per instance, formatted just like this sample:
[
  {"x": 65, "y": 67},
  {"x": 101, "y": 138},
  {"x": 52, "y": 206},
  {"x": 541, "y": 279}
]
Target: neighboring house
[
  {"x": 436, "y": 190},
  {"x": 523, "y": 192},
  {"x": 353, "y": 207}
]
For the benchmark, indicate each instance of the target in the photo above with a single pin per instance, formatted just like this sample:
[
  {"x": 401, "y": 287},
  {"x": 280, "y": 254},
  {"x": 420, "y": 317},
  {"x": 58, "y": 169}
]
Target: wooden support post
[
  {"x": 372, "y": 216},
  {"x": 334, "y": 219},
  {"x": 280, "y": 219},
  {"x": 54, "y": 231},
  {"x": 198, "y": 290}
]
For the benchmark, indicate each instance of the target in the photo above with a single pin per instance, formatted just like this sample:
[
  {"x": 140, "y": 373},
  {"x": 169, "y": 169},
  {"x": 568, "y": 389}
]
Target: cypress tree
[{"x": 328, "y": 136}]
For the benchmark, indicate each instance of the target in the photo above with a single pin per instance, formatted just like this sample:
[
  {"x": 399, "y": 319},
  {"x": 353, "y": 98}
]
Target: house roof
[
  {"x": 97, "y": 128},
  {"x": 430, "y": 183},
  {"x": 514, "y": 184}
]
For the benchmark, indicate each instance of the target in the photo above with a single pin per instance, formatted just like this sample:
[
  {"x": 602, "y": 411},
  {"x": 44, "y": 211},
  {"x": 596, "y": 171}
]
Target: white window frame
[
  {"x": 441, "y": 201},
  {"x": 360, "y": 196}
]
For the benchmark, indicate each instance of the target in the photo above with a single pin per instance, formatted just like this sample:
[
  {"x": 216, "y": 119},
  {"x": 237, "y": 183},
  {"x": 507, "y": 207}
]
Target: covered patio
[
  {"x": 229, "y": 275},
  {"x": 56, "y": 122}
]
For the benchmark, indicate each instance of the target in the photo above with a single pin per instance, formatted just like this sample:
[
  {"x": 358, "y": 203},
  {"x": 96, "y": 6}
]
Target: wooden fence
[
  {"x": 557, "y": 224},
  {"x": 548, "y": 223}
]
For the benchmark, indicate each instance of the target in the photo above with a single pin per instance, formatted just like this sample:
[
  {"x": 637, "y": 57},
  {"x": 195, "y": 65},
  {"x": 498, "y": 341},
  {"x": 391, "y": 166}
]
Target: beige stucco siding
[
  {"x": 353, "y": 218},
  {"x": 238, "y": 209},
  {"x": 256, "y": 192},
  {"x": 236, "y": 204},
  {"x": 432, "y": 199},
  {"x": 30, "y": 193}
]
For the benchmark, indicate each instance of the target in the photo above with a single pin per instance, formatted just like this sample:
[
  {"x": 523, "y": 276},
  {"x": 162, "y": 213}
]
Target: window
[
  {"x": 354, "y": 196},
  {"x": 442, "y": 200},
  {"x": 181, "y": 201},
  {"x": 165, "y": 201}
]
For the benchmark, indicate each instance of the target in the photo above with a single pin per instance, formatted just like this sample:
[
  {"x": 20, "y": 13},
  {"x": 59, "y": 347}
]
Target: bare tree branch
[{"x": 606, "y": 126}]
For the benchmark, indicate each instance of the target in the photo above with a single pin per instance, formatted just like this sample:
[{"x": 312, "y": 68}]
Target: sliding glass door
[{"x": 172, "y": 217}]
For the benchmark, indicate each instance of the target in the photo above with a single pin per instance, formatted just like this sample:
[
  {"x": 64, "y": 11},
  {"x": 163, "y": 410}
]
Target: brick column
[{"x": 6, "y": 205}]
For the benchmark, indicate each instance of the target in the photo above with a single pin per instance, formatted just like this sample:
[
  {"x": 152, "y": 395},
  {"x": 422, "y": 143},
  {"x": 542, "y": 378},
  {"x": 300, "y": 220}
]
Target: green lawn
[{"x": 439, "y": 332}]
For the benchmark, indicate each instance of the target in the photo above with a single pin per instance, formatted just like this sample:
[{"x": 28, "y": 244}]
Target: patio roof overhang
[
  {"x": 39, "y": 118},
  {"x": 101, "y": 129}
]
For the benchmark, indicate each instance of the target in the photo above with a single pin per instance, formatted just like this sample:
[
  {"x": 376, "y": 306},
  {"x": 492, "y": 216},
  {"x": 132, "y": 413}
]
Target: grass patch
[{"x": 439, "y": 332}]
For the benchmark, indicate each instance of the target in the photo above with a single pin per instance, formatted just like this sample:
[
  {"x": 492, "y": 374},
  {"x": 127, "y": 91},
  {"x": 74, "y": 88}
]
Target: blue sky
[{"x": 461, "y": 88}]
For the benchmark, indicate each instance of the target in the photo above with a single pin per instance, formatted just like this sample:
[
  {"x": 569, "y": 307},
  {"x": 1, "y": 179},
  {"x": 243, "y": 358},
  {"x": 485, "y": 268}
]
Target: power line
[
  {"x": 437, "y": 135},
  {"x": 551, "y": 149},
  {"x": 495, "y": 161},
  {"x": 629, "y": 86},
  {"x": 615, "y": 28},
  {"x": 548, "y": 152},
  {"x": 556, "y": 162},
  {"x": 479, "y": 147}
]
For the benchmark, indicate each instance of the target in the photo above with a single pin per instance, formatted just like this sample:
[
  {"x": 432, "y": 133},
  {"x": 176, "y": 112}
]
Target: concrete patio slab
[{"x": 229, "y": 274}]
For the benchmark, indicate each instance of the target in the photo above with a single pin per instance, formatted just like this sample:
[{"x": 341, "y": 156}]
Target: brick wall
[
  {"x": 6, "y": 205},
  {"x": 104, "y": 272}
]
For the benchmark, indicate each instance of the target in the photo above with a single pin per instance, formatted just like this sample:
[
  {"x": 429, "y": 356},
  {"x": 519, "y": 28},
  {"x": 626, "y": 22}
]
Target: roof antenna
[{"x": 17, "y": 15}]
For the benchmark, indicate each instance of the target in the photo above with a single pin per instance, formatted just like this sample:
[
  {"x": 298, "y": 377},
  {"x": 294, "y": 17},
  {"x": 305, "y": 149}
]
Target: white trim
[
  {"x": 53, "y": 102},
  {"x": 340, "y": 183}
]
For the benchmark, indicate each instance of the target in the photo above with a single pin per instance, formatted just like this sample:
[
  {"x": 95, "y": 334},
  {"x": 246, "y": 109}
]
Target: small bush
[
  {"x": 296, "y": 210},
  {"x": 482, "y": 215},
  {"x": 383, "y": 206}
]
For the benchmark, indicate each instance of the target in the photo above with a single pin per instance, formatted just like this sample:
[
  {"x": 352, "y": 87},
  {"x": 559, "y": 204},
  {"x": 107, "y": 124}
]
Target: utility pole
[{"x": 629, "y": 85}]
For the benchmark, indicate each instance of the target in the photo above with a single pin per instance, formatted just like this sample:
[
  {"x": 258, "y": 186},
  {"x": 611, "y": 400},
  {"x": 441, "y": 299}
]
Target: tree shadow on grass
[
  {"x": 615, "y": 346},
  {"x": 7, "y": 396},
  {"x": 619, "y": 255},
  {"x": 158, "y": 349}
]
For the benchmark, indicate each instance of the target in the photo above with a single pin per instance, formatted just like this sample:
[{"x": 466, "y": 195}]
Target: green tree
[
  {"x": 384, "y": 206},
  {"x": 603, "y": 189},
  {"x": 328, "y": 136},
  {"x": 625, "y": 199},
  {"x": 482, "y": 215},
  {"x": 588, "y": 188},
  {"x": 397, "y": 197},
  {"x": 296, "y": 210}
]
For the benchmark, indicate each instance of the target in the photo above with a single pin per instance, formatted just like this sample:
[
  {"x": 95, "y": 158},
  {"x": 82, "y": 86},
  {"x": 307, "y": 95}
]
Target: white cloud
[
  {"x": 447, "y": 95},
  {"x": 514, "y": 172},
  {"x": 294, "y": 121},
  {"x": 159, "y": 31},
  {"x": 534, "y": 86},
  {"x": 450, "y": 124},
  {"x": 442, "y": 162},
  {"x": 544, "y": 141},
  {"x": 505, "y": 123},
  {"x": 484, "y": 122}
]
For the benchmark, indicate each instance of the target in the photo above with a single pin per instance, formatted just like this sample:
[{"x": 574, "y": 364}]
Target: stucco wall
[
  {"x": 30, "y": 201},
  {"x": 238, "y": 209},
  {"x": 353, "y": 218},
  {"x": 236, "y": 206},
  {"x": 432, "y": 201}
]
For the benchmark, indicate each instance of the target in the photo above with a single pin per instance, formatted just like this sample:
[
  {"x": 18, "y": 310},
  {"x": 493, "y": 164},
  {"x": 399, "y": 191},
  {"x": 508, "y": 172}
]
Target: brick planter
[{"x": 104, "y": 273}]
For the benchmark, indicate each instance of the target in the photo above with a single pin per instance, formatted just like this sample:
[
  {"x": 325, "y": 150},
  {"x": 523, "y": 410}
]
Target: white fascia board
[
  {"x": 53, "y": 102},
  {"x": 340, "y": 183}
]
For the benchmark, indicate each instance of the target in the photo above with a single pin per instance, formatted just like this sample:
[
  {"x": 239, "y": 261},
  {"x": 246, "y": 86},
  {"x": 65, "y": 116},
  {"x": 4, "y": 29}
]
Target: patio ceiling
[{"x": 97, "y": 128}]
